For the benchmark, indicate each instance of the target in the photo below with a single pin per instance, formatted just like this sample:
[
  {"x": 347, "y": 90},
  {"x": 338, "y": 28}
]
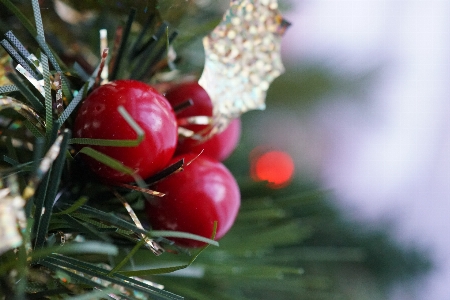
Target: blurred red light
[{"x": 275, "y": 167}]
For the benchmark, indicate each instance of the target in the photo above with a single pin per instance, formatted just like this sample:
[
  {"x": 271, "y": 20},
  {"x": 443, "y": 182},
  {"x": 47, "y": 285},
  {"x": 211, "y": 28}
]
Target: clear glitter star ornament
[
  {"x": 242, "y": 59},
  {"x": 12, "y": 216}
]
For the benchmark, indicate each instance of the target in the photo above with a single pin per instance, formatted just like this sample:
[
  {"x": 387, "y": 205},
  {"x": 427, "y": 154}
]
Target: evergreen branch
[
  {"x": 111, "y": 218},
  {"x": 10, "y": 161},
  {"x": 22, "y": 261},
  {"x": 18, "y": 58},
  {"x": 39, "y": 36},
  {"x": 41, "y": 167},
  {"x": 93, "y": 247},
  {"x": 101, "y": 226},
  {"x": 33, "y": 129},
  {"x": 39, "y": 198},
  {"x": 16, "y": 166},
  {"x": 75, "y": 275},
  {"x": 128, "y": 257},
  {"x": 320, "y": 254},
  {"x": 55, "y": 178},
  {"x": 48, "y": 95},
  {"x": 88, "y": 230},
  {"x": 58, "y": 225},
  {"x": 38, "y": 153},
  {"x": 123, "y": 45},
  {"x": 284, "y": 233},
  {"x": 22, "y": 264},
  {"x": 149, "y": 65},
  {"x": 170, "y": 269},
  {"x": 148, "y": 57},
  {"x": 149, "y": 243},
  {"x": 78, "y": 98},
  {"x": 161, "y": 293},
  {"x": 183, "y": 235},
  {"x": 80, "y": 202},
  {"x": 164, "y": 270},
  {"x": 29, "y": 96},
  {"x": 11, "y": 151},
  {"x": 37, "y": 17},
  {"x": 72, "y": 248},
  {"x": 75, "y": 101},
  {"x": 56, "y": 63},
  {"x": 80, "y": 71},
  {"x": 263, "y": 214},
  {"x": 22, "y": 18},
  {"x": 301, "y": 198},
  {"x": 138, "y": 46},
  {"x": 19, "y": 46},
  {"x": 61, "y": 291},
  {"x": 113, "y": 229},
  {"x": 8, "y": 89},
  {"x": 94, "y": 271}
]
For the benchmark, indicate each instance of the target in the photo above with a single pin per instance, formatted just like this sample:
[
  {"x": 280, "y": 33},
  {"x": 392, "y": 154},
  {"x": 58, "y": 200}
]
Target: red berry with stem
[
  {"x": 190, "y": 90},
  {"x": 221, "y": 145},
  {"x": 98, "y": 118},
  {"x": 204, "y": 192}
]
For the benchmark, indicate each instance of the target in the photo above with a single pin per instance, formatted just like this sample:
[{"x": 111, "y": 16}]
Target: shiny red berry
[
  {"x": 221, "y": 145},
  {"x": 193, "y": 91},
  {"x": 98, "y": 118},
  {"x": 204, "y": 192}
]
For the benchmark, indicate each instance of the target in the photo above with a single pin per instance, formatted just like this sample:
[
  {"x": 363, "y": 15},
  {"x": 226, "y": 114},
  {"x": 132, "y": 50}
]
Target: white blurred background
[{"x": 388, "y": 159}]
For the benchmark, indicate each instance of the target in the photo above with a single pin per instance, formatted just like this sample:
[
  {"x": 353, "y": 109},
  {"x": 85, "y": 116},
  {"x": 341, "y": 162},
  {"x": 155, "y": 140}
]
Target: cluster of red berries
[{"x": 204, "y": 192}]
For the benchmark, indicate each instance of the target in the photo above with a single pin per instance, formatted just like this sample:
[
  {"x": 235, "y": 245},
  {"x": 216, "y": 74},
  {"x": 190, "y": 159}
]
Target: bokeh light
[{"x": 275, "y": 166}]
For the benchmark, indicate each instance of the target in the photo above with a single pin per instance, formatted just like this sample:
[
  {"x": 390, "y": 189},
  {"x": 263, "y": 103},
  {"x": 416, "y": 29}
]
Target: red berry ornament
[
  {"x": 190, "y": 90},
  {"x": 98, "y": 118},
  {"x": 204, "y": 192},
  {"x": 221, "y": 145}
]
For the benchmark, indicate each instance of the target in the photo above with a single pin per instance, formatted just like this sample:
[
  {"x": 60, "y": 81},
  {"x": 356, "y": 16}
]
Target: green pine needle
[
  {"x": 80, "y": 202},
  {"x": 48, "y": 96},
  {"x": 91, "y": 247},
  {"x": 163, "y": 270},
  {"x": 128, "y": 257},
  {"x": 184, "y": 235},
  {"x": 106, "y": 160}
]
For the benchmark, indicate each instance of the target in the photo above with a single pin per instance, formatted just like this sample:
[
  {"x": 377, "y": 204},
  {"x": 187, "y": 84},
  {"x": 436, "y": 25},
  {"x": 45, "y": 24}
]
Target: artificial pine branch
[{"x": 286, "y": 244}]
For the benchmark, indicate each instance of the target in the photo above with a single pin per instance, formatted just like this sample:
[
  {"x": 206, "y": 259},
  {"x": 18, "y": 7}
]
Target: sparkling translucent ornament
[
  {"x": 242, "y": 58},
  {"x": 12, "y": 216},
  {"x": 4, "y": 68}
]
